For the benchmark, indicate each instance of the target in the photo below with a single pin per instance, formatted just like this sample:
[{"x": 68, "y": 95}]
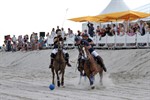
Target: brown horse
[
  {"x": 59, "y": 65},
  {"x": 90, "y": 67}
]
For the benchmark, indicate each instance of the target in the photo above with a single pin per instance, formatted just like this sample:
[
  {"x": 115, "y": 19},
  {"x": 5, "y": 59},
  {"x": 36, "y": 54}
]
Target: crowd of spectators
[
  {"x": 120, "y": 29},
  {"x": 37, "y": 42},
  {"x": 23, "y": 43},
  {"x": 32, "y": 42}
]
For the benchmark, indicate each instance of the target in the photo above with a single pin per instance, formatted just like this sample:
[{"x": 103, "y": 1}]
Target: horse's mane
[{"x": 91, "y": 61}]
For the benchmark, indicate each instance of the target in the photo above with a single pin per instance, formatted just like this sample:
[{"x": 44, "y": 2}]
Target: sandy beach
[{"x": 26, "y": 76}]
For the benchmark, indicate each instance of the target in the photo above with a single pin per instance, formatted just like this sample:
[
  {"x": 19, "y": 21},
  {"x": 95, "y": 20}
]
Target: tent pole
[{"x": 115, "y": 35}]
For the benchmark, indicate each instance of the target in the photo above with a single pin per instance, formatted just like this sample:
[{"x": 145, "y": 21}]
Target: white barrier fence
[{"x": 116, "y": 41}]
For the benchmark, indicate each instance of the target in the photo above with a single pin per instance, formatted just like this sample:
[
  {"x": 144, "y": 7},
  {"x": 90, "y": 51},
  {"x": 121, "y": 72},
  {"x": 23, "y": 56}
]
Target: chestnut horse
[
  {"x": 90, "y": 66},
  {"x": 59, "y": 65}
]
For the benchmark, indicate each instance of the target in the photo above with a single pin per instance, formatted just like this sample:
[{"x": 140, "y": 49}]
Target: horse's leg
[
  {"x": 101, "y": 77},
  {"x": 53, "y": 75},
  {"x": 80, "y": 78},
  {"x": 84, "y": 76},
  {"x": 91, "y": 78},
  {"x": 58, "y": 81},
  {"x": 62, "y": 78}
]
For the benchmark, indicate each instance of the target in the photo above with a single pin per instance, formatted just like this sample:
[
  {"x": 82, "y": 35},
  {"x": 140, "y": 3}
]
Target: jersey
[
  {"x": 56, "y": 40},
  {"x": 86, "y": 43}
]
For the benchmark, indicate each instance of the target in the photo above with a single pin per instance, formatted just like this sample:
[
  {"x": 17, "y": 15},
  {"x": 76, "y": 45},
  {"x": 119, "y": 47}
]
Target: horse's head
[
  {"x": 83, "y": 51},
  {"x": 60, "y": 45}
]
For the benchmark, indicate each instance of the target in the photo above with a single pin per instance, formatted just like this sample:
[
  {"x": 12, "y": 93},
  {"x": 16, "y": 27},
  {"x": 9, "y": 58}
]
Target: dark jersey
[
  {"x": 56, "y": 40},
  {"x": 57, "y": 30},
  {"x": 89, "y": 40},
  {"x": 86, "y": 43}
]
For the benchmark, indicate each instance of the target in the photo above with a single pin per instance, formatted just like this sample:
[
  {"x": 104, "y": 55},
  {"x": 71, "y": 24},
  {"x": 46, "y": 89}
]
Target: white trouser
[
  {"x": 94, "y": 53},
  {"x": 54, "y": 51}
]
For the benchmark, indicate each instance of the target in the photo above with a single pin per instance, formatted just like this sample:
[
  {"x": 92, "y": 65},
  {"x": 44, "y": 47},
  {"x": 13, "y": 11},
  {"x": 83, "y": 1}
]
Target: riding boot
[
  {"x": 52, "y": 59},
  {"x": 100, "y": 61},
  {"x": 50, "y": 66},
  {"x": 67, "y": 62},
  {"x": 83, "y": 61},
  {"x": 67, "y": 59}
]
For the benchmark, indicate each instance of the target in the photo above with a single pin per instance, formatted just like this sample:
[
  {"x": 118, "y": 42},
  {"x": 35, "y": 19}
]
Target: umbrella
[
  {"x": 124, "y": 15},
  {"x": 85, "y": 19}
]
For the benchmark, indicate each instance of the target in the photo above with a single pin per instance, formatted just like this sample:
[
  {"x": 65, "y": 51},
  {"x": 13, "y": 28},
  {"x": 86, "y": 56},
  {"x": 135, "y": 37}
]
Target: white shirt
[
  {"x": 53, "y": 34},
  {"x": 63, "y": 34},
  {"x": 14, "y": 39}
]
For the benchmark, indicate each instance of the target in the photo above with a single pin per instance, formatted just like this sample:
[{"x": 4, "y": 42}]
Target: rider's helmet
[
  {"x": 59, "y": 33},
  {"x": 85, "y": 35},
  {"x": 77, "y": 38}
]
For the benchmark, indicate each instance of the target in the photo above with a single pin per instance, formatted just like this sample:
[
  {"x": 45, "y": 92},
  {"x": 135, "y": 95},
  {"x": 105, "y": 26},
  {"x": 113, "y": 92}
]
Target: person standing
[
  {"x": 90, "y": 29},
  {"x": 57, "y": 30}
]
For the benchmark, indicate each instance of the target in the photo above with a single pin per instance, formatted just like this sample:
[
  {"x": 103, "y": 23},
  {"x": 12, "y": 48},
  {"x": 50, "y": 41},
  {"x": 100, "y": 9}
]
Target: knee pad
[
  {"x": 66, "y": 55},
  {"x": 95, "y": 54},
  {"x": 53, "y": 55}
]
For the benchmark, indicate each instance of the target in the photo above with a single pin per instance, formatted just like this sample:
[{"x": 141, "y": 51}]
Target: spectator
[
  {"x": 78, "y": 33},
  {"x": 121, "y": 30},
  {"x": 40, "y": 42},
  {"x": 98, "y": 30},
  {"x": 90, "y": 29},
  {"x": 53, "y": 33},
  {"x": 33, "y": 40},
  {"x": 3, "y": 47},
  {"x": 36, "y": 41},
  {"x": 114, "y": 29},
  {"x": 25, "y": 44},
  {"x": 63, "y": 33},
  {"x": 108, "y": 28},
  {"x": 102, "y": 32},
  {"x": 8, "y": 45},
  {"x": 146, "y": 27},
  {"x": 57, "y": 30},
  {"x": 142, "y": 29},
  {"x": 69, "y": 31},
  {"x": 14, "y": 39},
  {"x": 14, "y": 45}
]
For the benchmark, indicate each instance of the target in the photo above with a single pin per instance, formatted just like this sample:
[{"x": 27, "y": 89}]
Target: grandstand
[
  {"x": 135, "y": 41},
  {"x": 116, "y": 41}
]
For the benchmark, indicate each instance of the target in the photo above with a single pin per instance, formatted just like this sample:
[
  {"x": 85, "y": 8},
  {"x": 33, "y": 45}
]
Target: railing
[{"x": 113, "y": 42}]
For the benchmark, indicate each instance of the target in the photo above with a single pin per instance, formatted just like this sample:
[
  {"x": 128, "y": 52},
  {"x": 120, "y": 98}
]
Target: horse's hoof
[
  {"x": 58, "y": 85},
  {"x": 63, "y": 86},
  {"x": 93, "y": 87}
]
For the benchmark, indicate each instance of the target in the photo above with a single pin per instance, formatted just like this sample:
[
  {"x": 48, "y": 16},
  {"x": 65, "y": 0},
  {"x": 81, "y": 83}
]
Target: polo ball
[{"x": 51, "y": 86}]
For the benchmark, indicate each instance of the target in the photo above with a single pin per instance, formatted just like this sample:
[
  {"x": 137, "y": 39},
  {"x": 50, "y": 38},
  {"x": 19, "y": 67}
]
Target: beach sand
[{"x": 26, "y": 76}]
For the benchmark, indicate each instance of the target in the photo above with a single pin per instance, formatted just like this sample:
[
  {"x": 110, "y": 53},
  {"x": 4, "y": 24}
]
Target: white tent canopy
[{"x": 115, "y": 6}]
